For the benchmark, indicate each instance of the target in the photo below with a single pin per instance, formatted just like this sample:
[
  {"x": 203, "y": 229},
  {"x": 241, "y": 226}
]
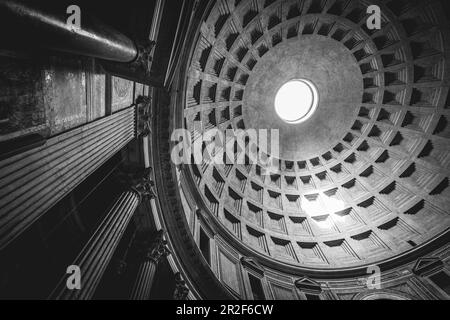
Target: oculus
[{"x": 296, "y": 101}]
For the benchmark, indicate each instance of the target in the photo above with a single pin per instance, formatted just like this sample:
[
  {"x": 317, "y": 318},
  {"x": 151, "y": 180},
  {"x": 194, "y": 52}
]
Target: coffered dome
[{"x": 365, "y": 177}]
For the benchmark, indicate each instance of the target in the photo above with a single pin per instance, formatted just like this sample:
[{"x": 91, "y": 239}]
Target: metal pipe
[{"x": 51, "y": 30}]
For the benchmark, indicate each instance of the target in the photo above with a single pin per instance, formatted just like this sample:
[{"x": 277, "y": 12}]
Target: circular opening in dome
[{"x": 296, "y": 101}]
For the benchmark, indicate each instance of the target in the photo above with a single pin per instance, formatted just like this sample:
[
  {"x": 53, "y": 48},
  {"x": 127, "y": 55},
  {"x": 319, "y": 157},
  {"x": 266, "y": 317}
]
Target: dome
[
  {"x": 364, "y": 178},
  {"x": 225, "y": 150}
]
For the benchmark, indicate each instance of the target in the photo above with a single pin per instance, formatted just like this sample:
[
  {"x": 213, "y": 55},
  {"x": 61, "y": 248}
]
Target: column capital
[
  {"x": 144, "y": 58},
  {"x": 141, "y": 183},
  {"x": 144, "y": 115},
  {"x": 144, "y": 189},
  {"x": 143, "y": 101},
  {"x": 181, "y": 290},
  {"x": 158, "y": 248}
]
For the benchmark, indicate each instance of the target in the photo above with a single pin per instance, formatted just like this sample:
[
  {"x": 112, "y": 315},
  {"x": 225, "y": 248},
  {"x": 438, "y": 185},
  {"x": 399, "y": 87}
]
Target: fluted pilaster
[
  {"x": 34, "y": 181},
  {"x": 144, "y": 281},
  {"x": 97, "y": 253},
  {"x": 147, "y": 268}
]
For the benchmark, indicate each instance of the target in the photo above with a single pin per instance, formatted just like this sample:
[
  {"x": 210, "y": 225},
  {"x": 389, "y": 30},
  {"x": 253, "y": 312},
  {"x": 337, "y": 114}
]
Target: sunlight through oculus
[{"x": 296, "y": 101}]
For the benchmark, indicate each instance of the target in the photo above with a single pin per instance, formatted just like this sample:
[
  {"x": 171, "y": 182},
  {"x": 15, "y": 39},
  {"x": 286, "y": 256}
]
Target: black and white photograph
[{"x": 218, "y": 156}]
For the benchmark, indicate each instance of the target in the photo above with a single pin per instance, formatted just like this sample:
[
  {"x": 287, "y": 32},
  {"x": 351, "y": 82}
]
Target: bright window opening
[{"x": 296, "y": 101}]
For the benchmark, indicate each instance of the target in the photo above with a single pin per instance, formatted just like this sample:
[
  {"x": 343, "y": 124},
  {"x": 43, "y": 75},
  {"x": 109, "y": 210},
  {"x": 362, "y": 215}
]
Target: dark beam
[{"x": 36, "y": 27}]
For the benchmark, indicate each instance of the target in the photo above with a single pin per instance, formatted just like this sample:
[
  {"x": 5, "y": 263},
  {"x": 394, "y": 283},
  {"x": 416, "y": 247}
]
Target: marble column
[
  {"x": 97, "y": 253},
  {"x": 147, "y": 268},
  {"x": 51, "y": 30},
  {"x": 35, "y": 180}
]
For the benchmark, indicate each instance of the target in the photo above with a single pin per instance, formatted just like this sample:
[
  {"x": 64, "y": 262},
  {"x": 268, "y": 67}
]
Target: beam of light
[{"x": 321, "y": 206}]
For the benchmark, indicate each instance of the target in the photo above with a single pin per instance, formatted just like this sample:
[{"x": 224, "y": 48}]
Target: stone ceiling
[{"x": 366, "y": 178}]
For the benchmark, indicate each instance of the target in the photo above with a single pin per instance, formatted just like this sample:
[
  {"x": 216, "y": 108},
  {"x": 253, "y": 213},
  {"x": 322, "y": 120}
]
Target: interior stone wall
[{"x": 54, "y": 95}]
